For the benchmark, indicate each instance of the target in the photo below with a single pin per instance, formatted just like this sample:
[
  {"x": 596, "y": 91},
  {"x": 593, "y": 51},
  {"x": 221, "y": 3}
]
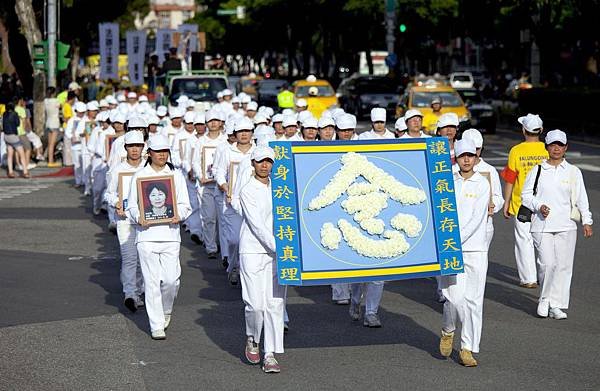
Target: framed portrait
[
  {"x": 108, "y": 142},
  {"x": 208, "y": 158},
  {"x": 156, "y": 199},
  {"x": 123, "y": 186},
  {"x": 182, "y": 143},
  {"x": 232, "y": 177}
]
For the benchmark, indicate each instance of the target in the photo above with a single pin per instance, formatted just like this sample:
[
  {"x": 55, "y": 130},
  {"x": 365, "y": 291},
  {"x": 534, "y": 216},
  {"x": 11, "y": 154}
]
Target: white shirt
[
  {"x": 176, "y": 152},
  {"x": 371, "y": 135},
  {"x": 554, "y": 191},
  {"x": 256, "y": 233},
  {"x": 74, "y": 130},
  {"x": 117, "y": 152},
  {"x": 472, "y": 200},
  {"x": 421, "y": 135},
  {"x": 244, "y": 174},
  {"x": 52, "y": 108},
  {"x": 224, "y": 157},
  {"x": 205, "y": 141},
  {"x": 111, "y": 195},
  {"x": 162, "y": 232},
  {"x": 169, "y": 131}
]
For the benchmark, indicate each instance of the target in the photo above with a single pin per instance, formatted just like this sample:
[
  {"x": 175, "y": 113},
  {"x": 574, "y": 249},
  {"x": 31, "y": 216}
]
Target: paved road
[{"x": 62, "y": 324}]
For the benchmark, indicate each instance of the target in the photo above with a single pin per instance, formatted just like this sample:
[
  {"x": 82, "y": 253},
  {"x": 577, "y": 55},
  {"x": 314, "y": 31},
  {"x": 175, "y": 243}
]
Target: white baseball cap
[
  {"x": 74, "y": 86},
  {"x": 378, "y": 114},
  {"x": 447, "y": 119},
  {"x": 102, "y": 116},
  {"x": 412, "y": 113},
  {"x": 220, "y": 94},
  {"x": 190, "y": 103},
  {"x": 153, "y": 120},
  {"x": 310, "y": 122},
  {"x": 260, "y": 119},
  {"x": 245, "y": 98},
  {"x": 227, "y": 92},
  {"x": 235, "y": 99},
  {"x": 103, "y": 103},
  {"x": 175, "y": 112},
  {"x": 289, "y": 120},
  {"x": 475, "y": 136},
  {"x": 556, "y": 136},
  {"x": 188, "y": 118},
  {"x": 199, "y": 118},
  {"x": 303, "y": 116},
  {"x": 346, "y": 121},
  {"x": 325, "y": 121},
  {"x": 261, "y": 153},
  {"x": 531, "y": 123},
  {"x": 182, "y": 99},
  {"x": 161, "y": 111},
  {"x": 229, "y": 127},
  {"x": 269, "y": 112},
  {"x": 134, "y": 137},
  {"x": 80, "y": 107},
  {"x": 92, "y": 106},
  {"x": 143, "y": 98},
  {"x": 301, "y": 103},
  {"x": 117, "y": 116},
  {"x": 243, "y": 124},
  {"x": 277, "y": 118},
  {"x": 263, "y": 130},
  {"x": 111, "y": 100},
  {"x": 400, "y": 124},
  {"x": 464, "y": 146},
  {"x": 213, "y": 114},
  {"x": 287, "y": 112},
  {"x": 137, "y": 122},
  {"x": 159, "y": 142},
  {"x": 121, "y": 98},
  {"x": 252, "y": 106},
  {"x": 132, "y": 95}
]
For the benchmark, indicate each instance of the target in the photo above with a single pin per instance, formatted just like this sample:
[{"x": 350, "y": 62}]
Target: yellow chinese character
[
  {"x": 289, "y": 274},
  {"x": 283, "y": 192},
  {"x": 284, "y": 213},
  {"x": 441, "y": 186},
  {"x": 441, "y": 167},
  {"x": 447, "y": 225},
  {"x": 288, "y": 254},
  {"x": 438, "y": 148},
  {"x": 449, "y": 244},
  {"x": 286, "y": 232},
  {"x": 453, "y": 264},
  {"x": 280, "y": 152},
  {"x": 445, "y": 205},
  {"x": 281, "y": 172}
]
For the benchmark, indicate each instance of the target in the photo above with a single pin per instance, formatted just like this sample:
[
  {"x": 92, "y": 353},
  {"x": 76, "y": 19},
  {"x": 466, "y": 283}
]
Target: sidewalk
[{"x": 41, "y": 171}]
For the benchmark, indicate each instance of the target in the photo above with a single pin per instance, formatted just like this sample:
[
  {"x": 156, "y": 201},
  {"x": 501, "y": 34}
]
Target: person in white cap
[
  {"x": 326, "y": 126},
  {"x": 309, "y": 129},
  {"x": 181, "y": 102},
  {"x": 158, "y": 245},
  {"x": 75, "y": 132},
  {"x": 220, "y": 97},
  {"x": 103, "y": 105},
  {"x": 245, "y": 100},
  {"x": 153, "y": 125},
  {"x": 414, "y": 123},
  {"x": 235, "y": 104},
  {"x": 447, "y": 126},
  {"x": 261, "y": 292},
  {"x": 131, "y": 272},
  {"x": 117, "y": 155},
  {"x": 112, "y": 102},
  {"x": 132, "y": 100},
  {"x": 91, "y": 125},
  {"x": 301, "y": 105},
  {"x": 176, "y": 124},
  {"x": 260, "y": 119},
  {"x": 378, "y": 130},
  {"x": 345, "y": 126},
  {"x": 400, "y": 127},
  {"x": 190, "y": 105},
  {"x": 290, "y": 126},
  {"x": 251, "y": 109},
  {"x": 277, "y": 122},
  {"x": 558, "y": 201},
  {"x": 226, "y": 161},
  {"x": 521, "y": 159},
  {"x": 161, "y": 113},
  {"x": 208, "y": 193},
  {"x": 99, "y": 167},
  {"x": 464, "y": 291}
]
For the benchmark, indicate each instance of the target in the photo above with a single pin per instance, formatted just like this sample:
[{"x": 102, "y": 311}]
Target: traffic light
[
  {"x": 40, "y": 56},
  {"x": 62, "y": 61},
  {"x": 402, "y": 28}
]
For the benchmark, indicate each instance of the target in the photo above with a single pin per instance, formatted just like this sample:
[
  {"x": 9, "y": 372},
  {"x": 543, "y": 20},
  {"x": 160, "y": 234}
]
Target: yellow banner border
[
  {"x": 359, "y": 148},
  {"x": 432, "y": 267}
]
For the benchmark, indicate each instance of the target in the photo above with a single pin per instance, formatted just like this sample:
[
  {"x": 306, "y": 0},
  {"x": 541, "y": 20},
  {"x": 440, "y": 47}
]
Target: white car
[{"x": 461, "y": 80}]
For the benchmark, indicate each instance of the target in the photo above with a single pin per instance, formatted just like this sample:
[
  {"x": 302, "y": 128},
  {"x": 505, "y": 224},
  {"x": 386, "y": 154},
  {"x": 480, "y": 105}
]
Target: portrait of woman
[{"x": 157, "y": 198}]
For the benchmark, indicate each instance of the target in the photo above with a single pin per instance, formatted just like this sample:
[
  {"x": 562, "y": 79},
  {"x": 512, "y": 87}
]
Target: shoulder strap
[{"x": 537, "y": 178}]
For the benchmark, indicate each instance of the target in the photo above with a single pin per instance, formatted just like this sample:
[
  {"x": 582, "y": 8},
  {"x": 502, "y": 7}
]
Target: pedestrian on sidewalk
[
  {"x": 558, "y": 201},
  {"x": 10, "y": 126},
  {"x": 52, "y": 110}
]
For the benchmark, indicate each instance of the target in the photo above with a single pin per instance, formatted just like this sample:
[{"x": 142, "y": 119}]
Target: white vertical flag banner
[
  {"x": 109, "y": 50},
  {"x": 188, "y": 42},
  {"x": 136, "y": 55},
  {"x": 163, "y": 43}
]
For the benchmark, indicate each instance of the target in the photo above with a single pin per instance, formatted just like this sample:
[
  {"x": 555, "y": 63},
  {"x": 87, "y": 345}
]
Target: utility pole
[
  {"x": 51, "y": 12},
  {"x": 390, "y": 25}
]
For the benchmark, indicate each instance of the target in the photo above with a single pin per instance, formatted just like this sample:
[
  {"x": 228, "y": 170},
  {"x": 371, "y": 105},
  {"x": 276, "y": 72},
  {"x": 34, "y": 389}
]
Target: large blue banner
[{"x": 364, "y": 211}]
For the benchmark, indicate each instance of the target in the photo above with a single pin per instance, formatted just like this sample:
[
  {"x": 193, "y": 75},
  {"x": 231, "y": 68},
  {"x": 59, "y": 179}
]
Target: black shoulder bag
[{"x": 524, "y": 213}]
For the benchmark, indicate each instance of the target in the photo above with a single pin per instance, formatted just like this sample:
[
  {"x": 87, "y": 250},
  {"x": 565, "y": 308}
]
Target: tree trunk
[{"x": 7, "y": 64}]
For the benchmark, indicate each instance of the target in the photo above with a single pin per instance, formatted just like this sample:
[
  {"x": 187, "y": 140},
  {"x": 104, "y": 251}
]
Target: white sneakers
[
  {"x": 167, "y": 320},
  {"x": 542, "y": 309},
  {"x": 159, "y": 334},
  {"x": 557, "y": 313}
]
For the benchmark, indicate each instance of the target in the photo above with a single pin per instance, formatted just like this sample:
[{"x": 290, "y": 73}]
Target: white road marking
[{"x": 11, "y": 191}]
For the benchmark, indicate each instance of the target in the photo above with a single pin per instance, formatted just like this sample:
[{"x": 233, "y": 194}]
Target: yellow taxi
[
  {"x": 318, "y": 93},
  {"x": 420, "y": 95}
]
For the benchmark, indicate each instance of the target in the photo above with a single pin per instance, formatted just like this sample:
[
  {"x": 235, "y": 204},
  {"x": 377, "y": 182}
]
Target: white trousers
[
  {"x": 161, "y": 271},
  {"x": 99, "y": 185},
  {"x": 67, "y": 151},
  {"x": 112, "y": 214},
  {"x": 340, "y": 292},
  {"x": 35, "y": 140},
  {"x": 208, "y": 211},
  {"x": 524, "y": 252},
  {"x": 464, "y": 300},
  {"x": 371, "y": 291},
  {"x": 131, "y": 272},
  {"x": 555, "y": 264},
  {"x": 232, "y": 224},
  {"x": 193, "y": 222},
  {"x": 77, "y": 165},
  {"x": 220, "y": 203},
  {"x": 86, "y": 166},
  {"x": 264, "y": 299}
]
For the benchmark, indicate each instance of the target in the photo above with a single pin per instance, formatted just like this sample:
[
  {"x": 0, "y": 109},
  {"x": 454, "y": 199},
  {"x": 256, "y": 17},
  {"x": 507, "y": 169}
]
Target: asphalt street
[{"x": 63, "y": 325}]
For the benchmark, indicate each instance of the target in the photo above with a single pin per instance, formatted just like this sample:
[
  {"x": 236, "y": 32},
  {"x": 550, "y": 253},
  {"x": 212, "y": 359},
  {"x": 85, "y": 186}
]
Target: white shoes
[
  {"x": 557, "y": 313},
  {"x": 159, "y": 334},
  {"x": 167, "y": 320},
  {"x": 542, "y": 309}
]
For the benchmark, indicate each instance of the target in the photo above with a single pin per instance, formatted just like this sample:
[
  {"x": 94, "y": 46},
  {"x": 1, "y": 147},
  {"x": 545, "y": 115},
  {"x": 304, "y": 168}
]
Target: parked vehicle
[
  {"x": 267, "y": 90},
  {"x": 483, "y": 115},
  {"x": 319, "y": 95},
  {"x": 201, "y": 86},
  {"x": 461, "y": 80},
  {"x": 359, "y": 94}
]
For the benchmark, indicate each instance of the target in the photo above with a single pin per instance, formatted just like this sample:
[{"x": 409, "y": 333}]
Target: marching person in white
[
  {"x": 559, "y": 199},
  {"x": 223, "y": 162},
  {"x": 117, "y": 153},
  {"x": 175, "y": 126},
  {"x": 290, "y": 126},
  {"x": 74, "y": 132},
  {"x": 261, "y": 292},
  {"x": 158, "y": 245},
  {"x": 378, "y": 130},
  {"x": 414, "y": 124},
  {"x": 400, "y": 127},
  {"x": 99, "y": 167},
  {"x": 181, "y": 140},
  {"x": 131, "y": 272},
  {"x": 464, "y": 292},
  {"x": 91, "y": 123},
  {"x": 326, "y": 128}
]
